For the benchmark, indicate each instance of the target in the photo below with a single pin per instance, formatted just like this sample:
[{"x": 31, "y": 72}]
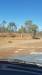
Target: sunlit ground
[{"x": 10, "y": 47}]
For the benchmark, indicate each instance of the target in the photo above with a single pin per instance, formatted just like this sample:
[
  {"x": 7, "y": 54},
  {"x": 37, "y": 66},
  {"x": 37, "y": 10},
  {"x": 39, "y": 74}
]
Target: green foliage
[
  {"x": 34, "y": 29},
  {"x": 28, "y": 25},
  {"x": 31, "y": 28},
  {"x": 2, "y": 26},
  {"x": 12, "y": 27},
  {"x": 21, "y": 30}
]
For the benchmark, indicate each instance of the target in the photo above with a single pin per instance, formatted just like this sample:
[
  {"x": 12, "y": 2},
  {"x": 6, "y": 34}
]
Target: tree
[
  {"x": 28, "y": 24},
  {"x": 34, "y": 29},
  {"x": 3, "y": 26},
  {"x": 22, "y": 30},
  {"x": 12, "y": 27},
  {"x": 31, "y": 28}
]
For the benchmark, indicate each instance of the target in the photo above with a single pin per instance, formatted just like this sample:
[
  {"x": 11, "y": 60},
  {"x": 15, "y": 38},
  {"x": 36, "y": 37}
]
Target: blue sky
[{"x": 21, "y": 10}]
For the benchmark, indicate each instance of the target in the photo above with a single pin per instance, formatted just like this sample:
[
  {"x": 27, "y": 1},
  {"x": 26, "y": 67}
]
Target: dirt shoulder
[{"x": 11, "y": 47}]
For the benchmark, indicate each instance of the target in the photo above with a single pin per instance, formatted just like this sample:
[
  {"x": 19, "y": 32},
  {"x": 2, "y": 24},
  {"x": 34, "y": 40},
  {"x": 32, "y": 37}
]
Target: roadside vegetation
[{"x": 28, "y": 27}]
